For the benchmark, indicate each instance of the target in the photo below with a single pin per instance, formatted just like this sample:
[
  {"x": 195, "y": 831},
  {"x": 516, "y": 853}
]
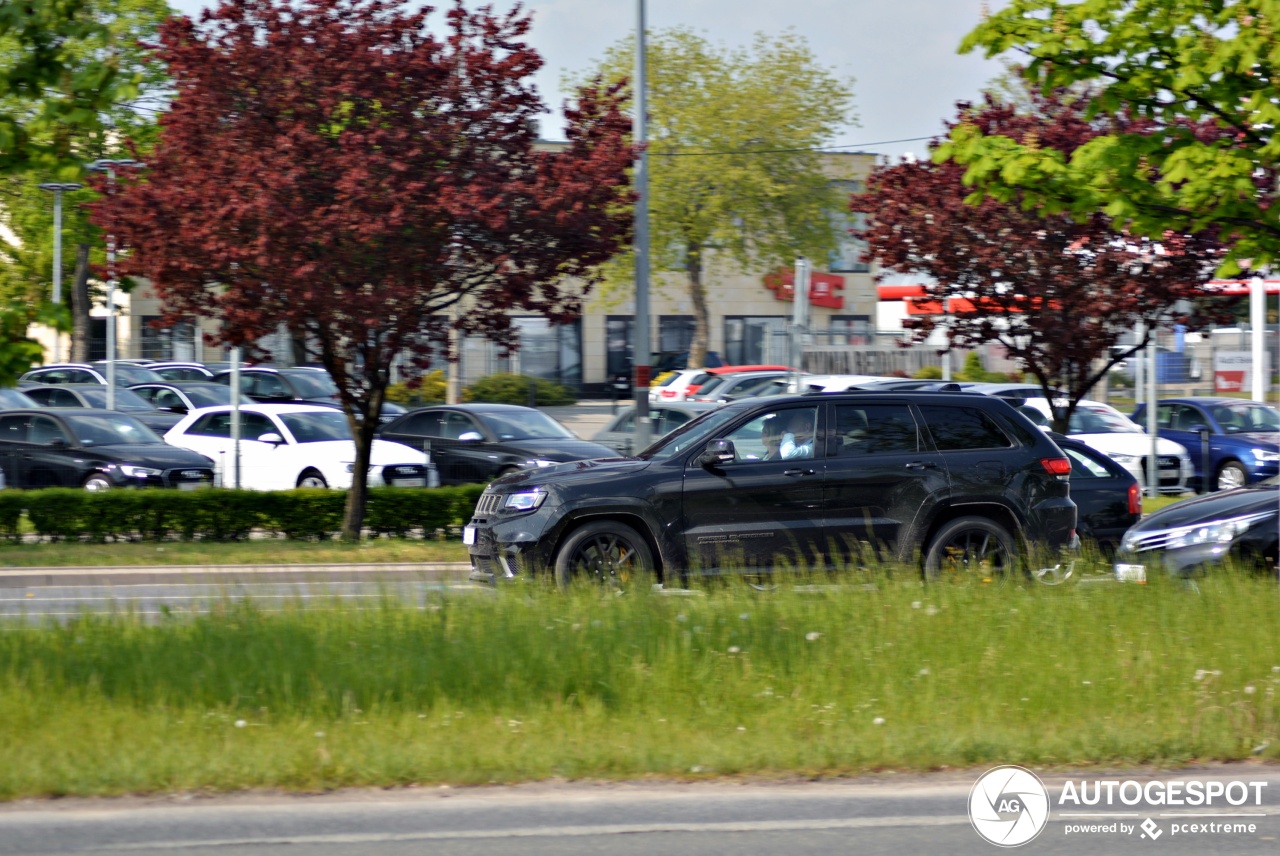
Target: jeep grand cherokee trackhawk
[{"x": 958, "y": 482}]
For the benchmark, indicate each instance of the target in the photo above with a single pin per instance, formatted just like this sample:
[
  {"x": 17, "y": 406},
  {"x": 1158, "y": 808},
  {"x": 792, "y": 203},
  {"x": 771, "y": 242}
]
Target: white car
[
  {"x": 284, "y": 446},
  {"x": 1115, "y": 435}
]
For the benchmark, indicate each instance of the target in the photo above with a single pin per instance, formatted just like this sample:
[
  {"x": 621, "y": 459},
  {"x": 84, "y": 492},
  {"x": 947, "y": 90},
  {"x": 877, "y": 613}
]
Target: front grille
[
  {"x": 490, "y": 503},
  {"x": 486, "y": 565},
  {"x": 404, "y": 472},
  {"x": 1169, "y": 462},
  {"x": 188, "y": 476}
]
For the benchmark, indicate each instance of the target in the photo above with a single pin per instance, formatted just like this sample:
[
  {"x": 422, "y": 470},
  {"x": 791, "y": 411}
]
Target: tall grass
[{"x": 527, "y": 683}]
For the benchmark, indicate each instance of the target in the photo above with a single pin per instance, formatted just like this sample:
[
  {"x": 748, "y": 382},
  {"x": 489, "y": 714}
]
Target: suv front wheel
[
  {"x": 605, "y": 552},
  {"x": 969, "y": 546}
]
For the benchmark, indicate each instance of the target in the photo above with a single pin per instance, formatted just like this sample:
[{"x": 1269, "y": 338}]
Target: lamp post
[
  {"x": 57, "y": 188},
  {"x": 109, "y": 166}
]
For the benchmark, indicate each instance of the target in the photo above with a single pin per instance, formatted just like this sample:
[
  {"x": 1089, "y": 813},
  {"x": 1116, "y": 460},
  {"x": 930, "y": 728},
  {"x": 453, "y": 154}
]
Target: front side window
[
  {"x": 316, "y": 427},
  {"x": 777, "y": 436}
]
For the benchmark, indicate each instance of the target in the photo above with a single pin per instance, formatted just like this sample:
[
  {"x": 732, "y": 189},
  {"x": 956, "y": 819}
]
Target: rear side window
[
  {"x": 958, "y": 428},
  {"x": 870, "y": 429}
]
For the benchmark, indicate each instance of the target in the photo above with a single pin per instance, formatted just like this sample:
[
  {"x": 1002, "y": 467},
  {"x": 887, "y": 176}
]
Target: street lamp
[
  {"x": 57, "y": 188},
  {"x": 109, "y": 166}
]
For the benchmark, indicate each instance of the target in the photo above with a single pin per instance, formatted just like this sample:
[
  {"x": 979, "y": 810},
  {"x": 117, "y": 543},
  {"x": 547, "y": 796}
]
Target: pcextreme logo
[{"x": 1009, "y": 806}]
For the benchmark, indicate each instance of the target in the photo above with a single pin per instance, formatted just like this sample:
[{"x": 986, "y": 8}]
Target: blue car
[{"x": 1244, "y": 437}]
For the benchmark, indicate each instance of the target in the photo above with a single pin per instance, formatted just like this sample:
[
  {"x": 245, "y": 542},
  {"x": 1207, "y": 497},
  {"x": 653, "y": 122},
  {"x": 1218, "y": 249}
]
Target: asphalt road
[
  {"x": 39, "y": 594},
  {"x": 924, "y": 814}
]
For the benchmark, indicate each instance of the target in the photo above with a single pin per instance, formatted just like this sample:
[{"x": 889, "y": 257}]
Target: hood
[
  {"x": 1265, "y": 439},
  {"x": 574, "y": 472},
  {"x": 1214, "y": 506},
  {"x": 383, "y": 452},
  {"x": 1130, "y": 444},
  {"x": 151, "y": 454},
  {"x": 567, "y": 449}
]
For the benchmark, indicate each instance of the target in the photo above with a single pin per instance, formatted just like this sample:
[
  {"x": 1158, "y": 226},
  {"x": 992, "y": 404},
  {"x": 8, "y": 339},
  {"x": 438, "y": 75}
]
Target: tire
[
  {"x": 97, "y": 482},
  {"x": 312, "y": 478},
  {"x": 606, "y": 552},
  {"x": 971, "y": 547},
  {"x": 1230, "y": 475}
]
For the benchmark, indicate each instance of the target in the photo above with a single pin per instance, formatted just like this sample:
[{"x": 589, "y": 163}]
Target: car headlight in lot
[
  {"x": 1266, "y": 456},
  {"x": 1125, "y": 460},
  {"x": 526, "y": 500},
  {"x": 1212, "y": 532},
  {"x": 135, "y": 472}
]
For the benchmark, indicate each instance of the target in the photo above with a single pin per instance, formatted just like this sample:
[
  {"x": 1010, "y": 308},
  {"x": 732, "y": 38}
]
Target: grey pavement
[{"x": 586, "y": 417}]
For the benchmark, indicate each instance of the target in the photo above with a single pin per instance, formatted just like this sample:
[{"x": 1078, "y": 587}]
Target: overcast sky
[{"x": 901, "y": 53}]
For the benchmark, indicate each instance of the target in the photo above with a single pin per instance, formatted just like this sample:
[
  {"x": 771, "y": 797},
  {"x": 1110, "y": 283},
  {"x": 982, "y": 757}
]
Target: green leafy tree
[
  {"x": 102, "y": 41},
  {"x": 734, "y": 175},
  {"x": 1200, "y": 75}
]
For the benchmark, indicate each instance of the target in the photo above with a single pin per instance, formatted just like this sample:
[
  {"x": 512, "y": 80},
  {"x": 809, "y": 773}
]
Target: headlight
[
  {"x": 539, "y": 462},
  {"x": 526, "y": 500},
  {"x": 1125, "y": 460},
  {"x": 138, "y": 472},
  {"x": 1266, "y": 456},
  {"x": 1217, "y": 532}
]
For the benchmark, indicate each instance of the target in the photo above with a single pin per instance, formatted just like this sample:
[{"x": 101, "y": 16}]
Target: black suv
[{"x": 960, "y": 482}]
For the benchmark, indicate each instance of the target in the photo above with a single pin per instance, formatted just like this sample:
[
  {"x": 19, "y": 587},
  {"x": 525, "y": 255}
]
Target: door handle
[
  {"x": 798, "y": 472},
  {"x": 922, "y": 465}
]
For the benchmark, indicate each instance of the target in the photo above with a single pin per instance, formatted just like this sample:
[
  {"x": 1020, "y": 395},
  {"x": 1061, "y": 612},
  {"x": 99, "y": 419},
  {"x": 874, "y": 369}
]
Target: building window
[
  {"x": 850, "y": 247},
  {"x": 177, "y": 342},
  {"x": 550, "y": 351},
  {"x": 847, "y": 330},
  {"x": 755, "y": 340},
  {"x": 675, "y": 332},
  {"x": 618, "y": 332}
]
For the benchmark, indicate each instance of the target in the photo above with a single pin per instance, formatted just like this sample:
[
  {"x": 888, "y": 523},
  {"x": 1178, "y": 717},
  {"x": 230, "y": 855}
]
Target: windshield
[
  {"x": 211, "y": 395},
  {"x": 126, "y": 399},
  {"x": 1246, "y": 417},
  {"x": 111, "y": 429},
  {"x": 317, "y": 427},
  {"x": 314, "y": 384},
  {"x": 129, "y": 375},
  {"x": 1096, "y": 419},
  {"x": 690, "y": 434},
  {"x": 525, "y": 426},
  {"x": 14, "y": 398}
]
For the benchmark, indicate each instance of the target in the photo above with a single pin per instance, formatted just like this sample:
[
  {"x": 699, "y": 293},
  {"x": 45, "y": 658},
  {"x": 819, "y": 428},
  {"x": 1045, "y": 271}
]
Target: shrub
[
  {"x": 430, "y": 390},
  {"x": 929, "y": 373},
  {"x": 515, "y": 389}
]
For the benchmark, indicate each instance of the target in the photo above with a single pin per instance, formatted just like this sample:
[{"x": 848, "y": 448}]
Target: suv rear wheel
[
  {"x": 971, "y": 546},
  {"x": 606, "y": 552}
]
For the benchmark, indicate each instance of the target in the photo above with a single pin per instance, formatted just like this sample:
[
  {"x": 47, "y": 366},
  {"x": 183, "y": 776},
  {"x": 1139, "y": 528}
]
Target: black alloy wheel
[
  {"x": 606, "y": 552},
  {"x": 969, "y": 548}
]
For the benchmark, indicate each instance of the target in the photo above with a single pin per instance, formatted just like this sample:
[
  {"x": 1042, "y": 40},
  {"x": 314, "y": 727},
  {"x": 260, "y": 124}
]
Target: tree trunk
[
  {"x": 80, "y": 307},
  {"x": 701, "y": 312},
  {"x": 358, "y": 496}
]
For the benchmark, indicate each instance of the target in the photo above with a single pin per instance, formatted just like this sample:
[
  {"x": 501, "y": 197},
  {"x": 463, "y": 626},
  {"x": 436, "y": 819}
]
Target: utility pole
[
  {"x": 109, "y": 166},
  {"x": 640, "y": 342},
  {"x": 58, "y": 188}
]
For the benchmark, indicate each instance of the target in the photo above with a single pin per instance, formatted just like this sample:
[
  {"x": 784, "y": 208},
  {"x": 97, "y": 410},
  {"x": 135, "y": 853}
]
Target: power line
[{"x": 791, "y": 151}]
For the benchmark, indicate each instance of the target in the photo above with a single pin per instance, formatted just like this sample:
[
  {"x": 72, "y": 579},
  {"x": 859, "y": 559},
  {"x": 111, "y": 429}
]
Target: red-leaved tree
[
  {"x": 1057, "y": 293},
  {"x": 335, "y": 167}
]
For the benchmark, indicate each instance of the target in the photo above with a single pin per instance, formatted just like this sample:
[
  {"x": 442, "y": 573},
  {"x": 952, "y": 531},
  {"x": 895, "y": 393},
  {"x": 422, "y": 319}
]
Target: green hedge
[{"x": 61, "y": 514}]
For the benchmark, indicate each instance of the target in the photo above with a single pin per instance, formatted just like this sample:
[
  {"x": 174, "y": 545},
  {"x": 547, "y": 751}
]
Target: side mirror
[
  {"x": 57, "y": 443},
  {"x": 1198, "y": 429},
  {"x": 271, "y": 437},
  {"x": 471, "y": 437},
  {"x": 718, "y": 453}
]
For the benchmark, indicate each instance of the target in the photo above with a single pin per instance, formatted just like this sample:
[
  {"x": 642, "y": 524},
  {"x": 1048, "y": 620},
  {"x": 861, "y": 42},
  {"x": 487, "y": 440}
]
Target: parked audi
[{"x": 93, "y": 449}]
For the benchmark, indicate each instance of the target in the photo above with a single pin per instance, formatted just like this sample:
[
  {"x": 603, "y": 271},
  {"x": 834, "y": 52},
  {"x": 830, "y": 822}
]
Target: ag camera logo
[{"x": 1009, "y": 806}]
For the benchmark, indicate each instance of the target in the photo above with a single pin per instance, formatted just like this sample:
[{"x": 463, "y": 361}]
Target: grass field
[
  {"x": 523, "y": 683},
  {"x": 264, "y": 552}
]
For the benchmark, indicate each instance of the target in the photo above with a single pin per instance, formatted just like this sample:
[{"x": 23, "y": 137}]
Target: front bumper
[{"x": 510, "y": 546}]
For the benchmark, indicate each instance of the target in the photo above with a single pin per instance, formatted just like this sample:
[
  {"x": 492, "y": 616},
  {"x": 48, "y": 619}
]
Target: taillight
[
  {"x": 1056, "y": 466},
  {"x": 1135, "y": 499}
]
